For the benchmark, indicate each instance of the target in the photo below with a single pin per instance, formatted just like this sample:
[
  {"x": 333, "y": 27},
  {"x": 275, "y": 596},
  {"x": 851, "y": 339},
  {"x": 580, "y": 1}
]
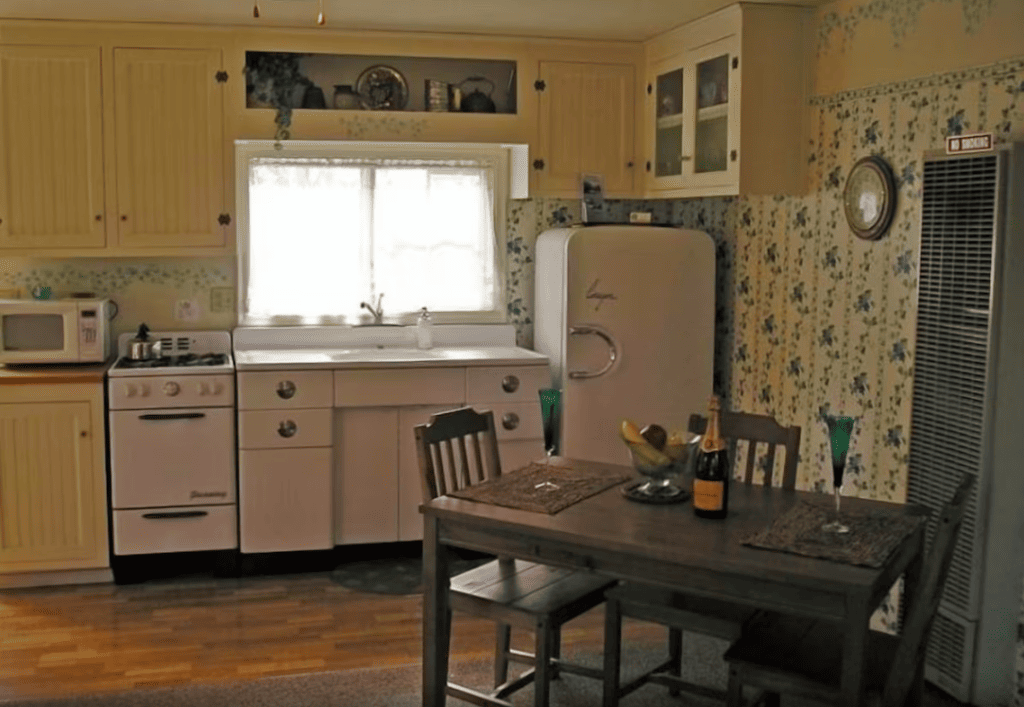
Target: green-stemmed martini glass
[{"x": 839, "y": 431}]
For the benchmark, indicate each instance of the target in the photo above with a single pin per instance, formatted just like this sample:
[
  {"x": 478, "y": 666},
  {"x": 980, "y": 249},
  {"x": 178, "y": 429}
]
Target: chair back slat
[
  {"x": 455, "y": 449},
  {"x": 925, "y": 603},
  {"x": 753, "y": 429}
]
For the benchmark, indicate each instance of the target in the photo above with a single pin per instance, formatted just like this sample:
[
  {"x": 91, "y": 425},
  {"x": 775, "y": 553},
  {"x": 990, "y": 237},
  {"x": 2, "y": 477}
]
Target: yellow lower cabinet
[{"x": 52, "y": 482}]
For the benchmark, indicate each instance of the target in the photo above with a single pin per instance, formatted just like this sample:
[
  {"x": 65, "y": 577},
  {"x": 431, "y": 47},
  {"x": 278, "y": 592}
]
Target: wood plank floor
[{"x": 104, "y": 638}]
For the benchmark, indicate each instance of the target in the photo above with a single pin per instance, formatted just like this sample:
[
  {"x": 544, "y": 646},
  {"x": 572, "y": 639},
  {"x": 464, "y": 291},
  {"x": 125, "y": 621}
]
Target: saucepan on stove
[{"x": 141, "y": 348}]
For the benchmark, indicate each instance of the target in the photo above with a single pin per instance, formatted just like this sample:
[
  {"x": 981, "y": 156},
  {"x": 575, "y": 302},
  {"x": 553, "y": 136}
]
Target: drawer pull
[
  {"x": 288, "y": 428},
  {"x": 175, "y": 514},
  {"x": 510, "y": 420},
  {"x": 510, "y": 384},
  {"x": 285, "y": 389},
  {"x": 173, "y": 416}
]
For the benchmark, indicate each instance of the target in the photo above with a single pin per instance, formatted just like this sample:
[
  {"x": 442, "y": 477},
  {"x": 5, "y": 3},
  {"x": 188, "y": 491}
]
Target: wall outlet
[
  {"x": 222, "y": 300},
  {"x": 187, "y": 310}
]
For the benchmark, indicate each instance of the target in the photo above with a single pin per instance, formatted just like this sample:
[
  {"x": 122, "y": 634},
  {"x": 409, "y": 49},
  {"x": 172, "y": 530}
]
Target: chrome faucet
[{"x": 378, "y": 313}]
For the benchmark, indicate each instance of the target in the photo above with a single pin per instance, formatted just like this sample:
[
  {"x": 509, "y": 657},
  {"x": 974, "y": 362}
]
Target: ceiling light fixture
[
  {"x": 256, "y": 9},
  {"x": 320, "y": 17}
]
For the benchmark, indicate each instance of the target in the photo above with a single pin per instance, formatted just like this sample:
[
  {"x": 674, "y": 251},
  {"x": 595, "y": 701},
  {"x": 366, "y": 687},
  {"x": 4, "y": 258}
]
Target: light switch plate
[
  {"x": 222, "y": 300},
  {"x": 187, "y": 310}
]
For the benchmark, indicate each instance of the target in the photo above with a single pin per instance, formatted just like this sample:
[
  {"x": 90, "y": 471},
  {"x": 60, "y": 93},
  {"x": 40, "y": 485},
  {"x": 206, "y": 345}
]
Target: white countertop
[
  {"x": 372, "y": 357},
  {"x": 390, "y": 347}
]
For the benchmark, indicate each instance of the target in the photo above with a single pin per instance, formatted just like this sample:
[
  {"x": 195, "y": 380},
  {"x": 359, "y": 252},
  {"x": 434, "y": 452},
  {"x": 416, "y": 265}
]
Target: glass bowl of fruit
[{"x": 661, "y": 457}]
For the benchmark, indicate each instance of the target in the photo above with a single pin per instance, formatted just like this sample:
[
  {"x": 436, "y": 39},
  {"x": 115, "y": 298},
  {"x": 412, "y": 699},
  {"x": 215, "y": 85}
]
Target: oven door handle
[
  {"x": 175, "y": 514},
  {"x": 173, "y": 416}
]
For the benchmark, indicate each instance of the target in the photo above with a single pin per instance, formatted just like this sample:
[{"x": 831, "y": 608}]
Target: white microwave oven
[{"x": 54, "y": 331}]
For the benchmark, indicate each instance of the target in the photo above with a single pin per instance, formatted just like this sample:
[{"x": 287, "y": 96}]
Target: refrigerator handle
[{"x": 613, "y": 350}]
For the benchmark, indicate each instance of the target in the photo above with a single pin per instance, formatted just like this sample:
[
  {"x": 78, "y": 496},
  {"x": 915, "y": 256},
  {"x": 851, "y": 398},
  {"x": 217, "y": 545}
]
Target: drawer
[
  {"x": 284, "y": 389},
  {"x": 514, "y": 421},
  {"x": 387, "y": 387},
  {"x": 182, "y": 529},
  {"x": 490, "y": 384},
  {"x": 277, "y": 429}
]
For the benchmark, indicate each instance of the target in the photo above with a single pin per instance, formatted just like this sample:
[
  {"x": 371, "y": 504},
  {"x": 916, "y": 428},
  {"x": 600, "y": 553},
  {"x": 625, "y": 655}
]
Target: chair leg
[
  {"x": 734, "y": 692},
  {"x": 502, "y": 643},
  {"x": 675, "y": 655},
  {"x": 556, "y": 650},
  {"x": 542, "y": 662},
  {"x": 612, "y": 652}
]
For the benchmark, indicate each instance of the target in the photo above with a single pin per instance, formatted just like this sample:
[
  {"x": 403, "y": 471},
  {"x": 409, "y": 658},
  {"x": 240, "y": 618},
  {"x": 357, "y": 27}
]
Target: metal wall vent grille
[
  {"x": 946, "y": 656},
  {"x": 952, "y": 350}
]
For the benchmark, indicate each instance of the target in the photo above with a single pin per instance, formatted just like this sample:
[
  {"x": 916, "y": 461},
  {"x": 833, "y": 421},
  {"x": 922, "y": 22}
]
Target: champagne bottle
[{"x": 712, "y": 469}]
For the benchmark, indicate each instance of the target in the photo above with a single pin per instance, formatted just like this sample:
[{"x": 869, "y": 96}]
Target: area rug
[{"x": 394, "y": 575}]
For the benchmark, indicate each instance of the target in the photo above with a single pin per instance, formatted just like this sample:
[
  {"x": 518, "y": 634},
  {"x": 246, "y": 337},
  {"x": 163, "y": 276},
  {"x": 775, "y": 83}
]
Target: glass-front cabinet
[{"x": 693, "y": 104}]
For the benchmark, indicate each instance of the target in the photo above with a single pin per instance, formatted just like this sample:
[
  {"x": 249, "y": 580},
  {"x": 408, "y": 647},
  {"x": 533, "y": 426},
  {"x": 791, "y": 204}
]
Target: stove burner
[{"x": 209, "y": 359}]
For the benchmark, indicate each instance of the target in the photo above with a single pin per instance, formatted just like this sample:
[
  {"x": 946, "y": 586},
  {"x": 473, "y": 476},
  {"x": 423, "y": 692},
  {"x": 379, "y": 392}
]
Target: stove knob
[
  {"x": 218, "y": 388},
  {"x": 144, "y": 390},
  {"x": 130, "y": 390},
  {"x": 171, "y": 388},
  {"x": 202, "y": 389}
]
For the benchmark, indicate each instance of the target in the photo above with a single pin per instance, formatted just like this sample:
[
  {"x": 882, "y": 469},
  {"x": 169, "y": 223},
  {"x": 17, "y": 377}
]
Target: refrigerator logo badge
[{"x": 592, "y": 293}]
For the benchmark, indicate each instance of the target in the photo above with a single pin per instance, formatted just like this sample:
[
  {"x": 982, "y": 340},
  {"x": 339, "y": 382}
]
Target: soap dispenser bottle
[{"x": 424, "y": 332}]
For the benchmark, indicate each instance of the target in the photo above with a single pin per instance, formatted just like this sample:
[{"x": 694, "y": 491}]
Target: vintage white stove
[{"x": 172, "y": 446}]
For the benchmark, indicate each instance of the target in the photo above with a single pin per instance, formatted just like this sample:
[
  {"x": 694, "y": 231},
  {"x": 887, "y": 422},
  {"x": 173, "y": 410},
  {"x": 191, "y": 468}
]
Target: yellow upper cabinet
[
  {"x": 111, "y": 151},
  {"x": 51, "y": 148},
  {"x": 725, "y": 104},
  {"x": 169, "y": 135},
  {"x": 585, "y": 126}
]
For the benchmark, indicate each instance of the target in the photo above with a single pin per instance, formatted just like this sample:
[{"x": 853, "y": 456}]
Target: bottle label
[{"x": 708, "y": 495}]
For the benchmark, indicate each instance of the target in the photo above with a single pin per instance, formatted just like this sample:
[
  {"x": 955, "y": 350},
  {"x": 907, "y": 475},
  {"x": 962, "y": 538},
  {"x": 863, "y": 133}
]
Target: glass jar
[{"x": 345, "y": 98}]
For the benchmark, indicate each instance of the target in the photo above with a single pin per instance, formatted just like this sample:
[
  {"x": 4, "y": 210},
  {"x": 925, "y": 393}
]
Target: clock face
[{"x": 869, "y": 197}]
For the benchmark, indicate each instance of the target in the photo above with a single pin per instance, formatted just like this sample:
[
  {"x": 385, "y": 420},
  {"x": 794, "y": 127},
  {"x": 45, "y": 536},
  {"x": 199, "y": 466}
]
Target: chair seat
[
  {"x": 806, "y": 655},
  {"x": 519, "y": 591},
  {"x": 705, "y": 615}
]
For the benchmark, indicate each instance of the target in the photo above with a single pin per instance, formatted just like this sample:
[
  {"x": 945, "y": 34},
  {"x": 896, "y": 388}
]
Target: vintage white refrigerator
[{"x": 626, "y": 316}]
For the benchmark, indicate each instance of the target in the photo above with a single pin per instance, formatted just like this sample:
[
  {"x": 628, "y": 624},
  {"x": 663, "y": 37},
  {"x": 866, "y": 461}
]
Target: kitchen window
[{"x": 326, "y": 226}]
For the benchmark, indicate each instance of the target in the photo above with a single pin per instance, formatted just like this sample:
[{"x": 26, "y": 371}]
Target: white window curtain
[{"x": 327, "y": 233}]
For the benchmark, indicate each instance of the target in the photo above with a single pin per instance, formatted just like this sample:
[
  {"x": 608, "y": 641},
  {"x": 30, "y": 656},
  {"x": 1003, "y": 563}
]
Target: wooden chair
[
  {"x": 802, "y": 657},
  {"x": 681, "y": 612},
  {"x": 459, "y": 448}
]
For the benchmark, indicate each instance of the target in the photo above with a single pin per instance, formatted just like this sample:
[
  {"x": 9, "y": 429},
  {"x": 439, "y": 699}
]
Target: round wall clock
[{"x": 870, "y": 198}]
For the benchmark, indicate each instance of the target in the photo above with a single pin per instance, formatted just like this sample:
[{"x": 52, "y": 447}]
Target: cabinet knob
[
  {"x": 733, "y": 155},
  {"x": 510, "y": 420},
  {"x": 287, "y": 428},
  {"x": 285, "y": 390},
  {"x": 124, "y": 217},
  {"x": 83, "y": 433},
  {"x": 630, "y": 164},
  {"x": 510, "y": 384},
  {"x": 685, "y": 158},
  {"x": 538, "y": 164},
  {"x": 99, "y": 217}
]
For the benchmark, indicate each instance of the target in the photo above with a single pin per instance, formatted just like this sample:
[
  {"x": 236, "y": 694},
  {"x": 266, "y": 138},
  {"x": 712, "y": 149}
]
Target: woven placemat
[
  {"x": 519, "y": 489},
  {"x": 872, "y": 538}
]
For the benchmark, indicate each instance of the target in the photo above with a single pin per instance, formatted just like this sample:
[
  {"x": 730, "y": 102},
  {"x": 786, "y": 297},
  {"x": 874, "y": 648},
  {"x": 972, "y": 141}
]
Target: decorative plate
[
  {"x": 382, "y": 88},
  {"x": 870, "y": 198}
]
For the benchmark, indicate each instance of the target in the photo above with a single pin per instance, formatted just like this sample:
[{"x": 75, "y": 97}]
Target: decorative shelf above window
[{"x": 380, "y": 83}]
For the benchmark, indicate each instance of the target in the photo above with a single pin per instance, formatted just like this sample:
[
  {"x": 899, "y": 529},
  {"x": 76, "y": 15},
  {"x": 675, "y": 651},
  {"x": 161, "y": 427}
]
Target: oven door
[{"x": 172, "y": 457}]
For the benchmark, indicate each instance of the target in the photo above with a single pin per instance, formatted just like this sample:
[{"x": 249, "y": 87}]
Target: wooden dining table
[{"x": 667, "y": 545}]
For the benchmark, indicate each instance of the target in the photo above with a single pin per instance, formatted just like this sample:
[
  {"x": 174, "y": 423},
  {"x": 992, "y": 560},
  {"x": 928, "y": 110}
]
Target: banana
[
  {"x": 644, "y": 453},
  {"x": 630, "y": 432}
]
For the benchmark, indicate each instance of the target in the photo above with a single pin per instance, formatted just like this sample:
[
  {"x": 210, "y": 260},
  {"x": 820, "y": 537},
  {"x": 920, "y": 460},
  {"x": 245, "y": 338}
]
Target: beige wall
[{"x": 862, "y": 43}]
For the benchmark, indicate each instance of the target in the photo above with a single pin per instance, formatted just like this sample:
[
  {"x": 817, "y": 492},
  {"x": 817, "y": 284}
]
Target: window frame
[{"x": 509, "y": 182}]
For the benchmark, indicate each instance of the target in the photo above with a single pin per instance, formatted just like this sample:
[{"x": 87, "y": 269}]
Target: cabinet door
[
  {"x": 52, "y": 505},
  {"x": 51, "y": 149},
  {"x": 285, "y": 499},
  {"x": 585, "y": 126},
  {"x": 170, "y": 166},
  {"x": 366, "y": 475},
  {"x": 712, "y": 146}
]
